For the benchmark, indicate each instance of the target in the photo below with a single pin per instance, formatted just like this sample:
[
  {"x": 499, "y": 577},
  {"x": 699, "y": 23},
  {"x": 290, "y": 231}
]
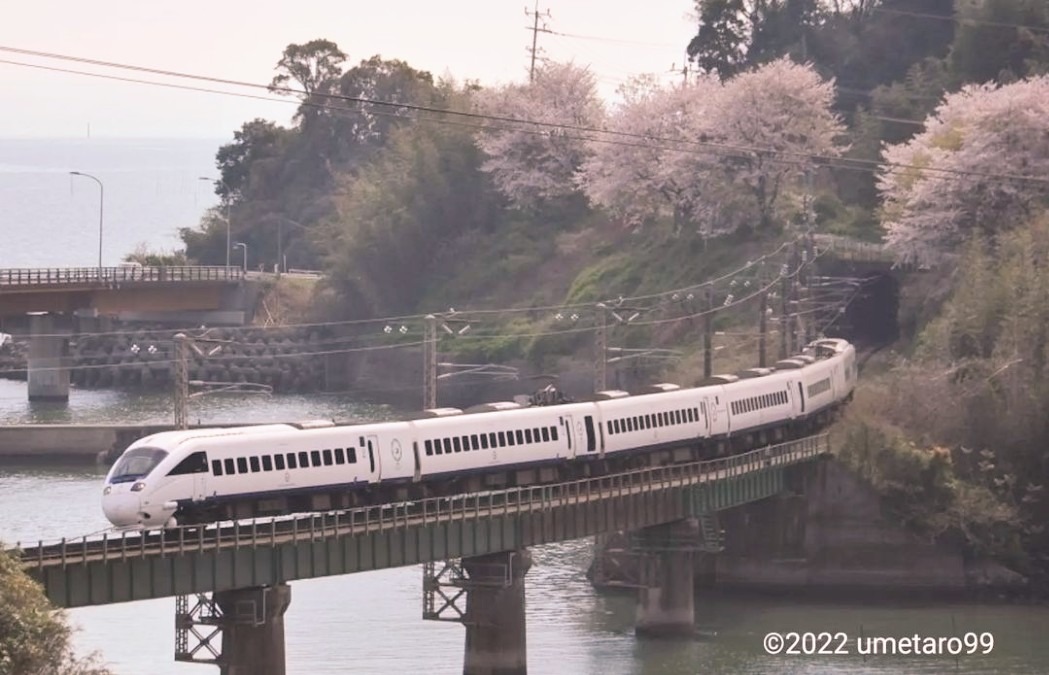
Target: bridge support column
[
  {"x": 253, "y": 629},
  {"x": 665, "y": 604},
  {"x": 48, "y": 360},
  {"x": 495, "y": 613}
]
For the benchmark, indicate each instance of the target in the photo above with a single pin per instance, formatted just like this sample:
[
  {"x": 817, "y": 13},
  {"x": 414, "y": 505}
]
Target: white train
[{"x": 221, "y": 474}]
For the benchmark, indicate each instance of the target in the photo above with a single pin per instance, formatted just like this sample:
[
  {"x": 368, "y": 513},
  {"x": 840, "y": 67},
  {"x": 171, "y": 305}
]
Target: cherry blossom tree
[
  {"x": 979, "y": 166},
  {"x": 772, "y": 127},
  {"x": 531, "y": 163},
  {"x": 629, "y": 172}
]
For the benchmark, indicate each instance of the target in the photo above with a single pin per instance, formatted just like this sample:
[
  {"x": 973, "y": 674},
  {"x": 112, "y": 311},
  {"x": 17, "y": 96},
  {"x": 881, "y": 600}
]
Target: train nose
[{"x": 120, "y": 505}]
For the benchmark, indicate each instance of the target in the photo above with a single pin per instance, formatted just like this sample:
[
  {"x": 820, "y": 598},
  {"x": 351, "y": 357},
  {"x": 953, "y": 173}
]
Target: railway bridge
[{"x": 247, "y": 567}]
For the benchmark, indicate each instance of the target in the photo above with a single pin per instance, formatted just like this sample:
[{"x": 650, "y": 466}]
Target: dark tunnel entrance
[{"x": 870, "y": 317}]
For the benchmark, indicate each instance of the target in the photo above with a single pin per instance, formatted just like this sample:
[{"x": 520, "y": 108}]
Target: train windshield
[{"x": 136, "y": 463}]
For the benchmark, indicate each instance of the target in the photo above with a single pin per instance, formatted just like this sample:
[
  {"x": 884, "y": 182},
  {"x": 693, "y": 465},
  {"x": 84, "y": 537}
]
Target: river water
[{"x": 370, "y": 623}]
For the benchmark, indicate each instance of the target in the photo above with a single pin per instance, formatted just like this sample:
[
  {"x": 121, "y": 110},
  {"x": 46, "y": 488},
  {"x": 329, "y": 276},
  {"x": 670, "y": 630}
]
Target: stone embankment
[{"x": 287, "y": 359}]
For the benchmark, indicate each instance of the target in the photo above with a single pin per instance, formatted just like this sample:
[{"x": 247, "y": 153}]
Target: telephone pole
[
  {"x": 430, "y": 363},
  {"x": 535, "y": 14},
  {"x": 601, "y": 350},
  {"x": 181, "y": 381}
]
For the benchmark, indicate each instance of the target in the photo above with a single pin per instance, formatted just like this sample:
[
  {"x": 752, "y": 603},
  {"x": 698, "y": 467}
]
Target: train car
[{"x": 221, "y": 474}]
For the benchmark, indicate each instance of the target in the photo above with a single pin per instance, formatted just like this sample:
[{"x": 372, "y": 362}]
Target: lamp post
[
  {"x": 101, "y": 206},
  {"x": 280, "y": 238},
  {"x": 245, "y": 246},
  {"x": 229, "y": 198}
]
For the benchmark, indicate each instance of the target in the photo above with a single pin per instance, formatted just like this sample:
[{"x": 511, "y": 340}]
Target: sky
[{"x": 483, "y": 40}]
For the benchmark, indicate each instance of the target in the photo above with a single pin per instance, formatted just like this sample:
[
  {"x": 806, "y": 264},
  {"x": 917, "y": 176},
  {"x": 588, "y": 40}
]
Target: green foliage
[
  {"x": 979, "y": 384},
  {"x": 144, "y": 256},
  {"x": 1000, "y": 40},
  {"x": 34, "y": 638}
]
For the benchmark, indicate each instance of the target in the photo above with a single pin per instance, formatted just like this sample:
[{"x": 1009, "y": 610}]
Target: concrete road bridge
[
  {"x": 61, "y": 301},
  {"x": 246, "y": 567}
]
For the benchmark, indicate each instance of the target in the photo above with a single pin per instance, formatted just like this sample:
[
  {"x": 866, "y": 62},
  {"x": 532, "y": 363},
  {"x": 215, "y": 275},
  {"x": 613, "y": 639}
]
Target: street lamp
[
  {"x": 242, "y": 244},
  {"x": 280, "y": 239},
  {"x": 101, "y": 205},
  {"x": 229, "y": 198}
]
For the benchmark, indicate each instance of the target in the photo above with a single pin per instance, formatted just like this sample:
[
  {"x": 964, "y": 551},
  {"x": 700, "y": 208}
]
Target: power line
[
  {"x": 717, "y": 149},
  {"x": 963, "y": 20}
]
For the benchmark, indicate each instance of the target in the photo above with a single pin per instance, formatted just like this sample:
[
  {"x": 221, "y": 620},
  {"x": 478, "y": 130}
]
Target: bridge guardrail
[
  {"x": 304, "y": 527},
  {"x": 57, "y": 276}
]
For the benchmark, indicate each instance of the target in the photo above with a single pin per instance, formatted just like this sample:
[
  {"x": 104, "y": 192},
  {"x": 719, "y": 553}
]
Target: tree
[
  {"x": 631, "y": 175},
  {"x": 424, "y": 189},
  {"x": 34, "y": 638},
  {"x": 773, "y": 127},
  {"x": 315, "y": 67},
  {"x": 256, "y": 142},
  {"x": 1000, "y": 40},
  {"x": 533, "y": 163},
  {"x": 720, "y": 45},
  {"x": 978, "y": 167}
]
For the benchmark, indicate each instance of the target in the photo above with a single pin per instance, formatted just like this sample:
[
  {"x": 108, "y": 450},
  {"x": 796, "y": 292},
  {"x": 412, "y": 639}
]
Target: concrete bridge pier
[
  {"x": 253, "y": 629},
  {"x": 495, "y": 613},
  {"x": 665, "y": 604},
  {"x": 48, "y": 361}
]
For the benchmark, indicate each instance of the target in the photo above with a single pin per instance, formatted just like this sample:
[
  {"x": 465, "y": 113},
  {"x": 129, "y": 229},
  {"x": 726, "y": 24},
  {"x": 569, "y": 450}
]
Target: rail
[
  {"x": 380, "y": 518},
  {"x": 853, "y": 249},
  {"x": 61, "y": 276}
]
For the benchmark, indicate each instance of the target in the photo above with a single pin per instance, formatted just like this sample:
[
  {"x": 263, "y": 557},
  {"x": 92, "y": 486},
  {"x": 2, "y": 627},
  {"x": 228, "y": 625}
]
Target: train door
[
  {"x": 568, "y": 428},
  {"x": 370, "y": 444},
  {"x": 200, "y": 482}
]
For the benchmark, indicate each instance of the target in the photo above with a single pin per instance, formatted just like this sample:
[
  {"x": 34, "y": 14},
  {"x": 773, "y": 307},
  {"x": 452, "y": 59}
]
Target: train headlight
[
  {"x": 106, "y": 490},
  {"x": 138, "y": 487}
]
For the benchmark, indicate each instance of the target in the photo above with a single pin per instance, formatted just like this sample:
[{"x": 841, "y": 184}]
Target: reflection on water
[{"x": 370, "y": 623}]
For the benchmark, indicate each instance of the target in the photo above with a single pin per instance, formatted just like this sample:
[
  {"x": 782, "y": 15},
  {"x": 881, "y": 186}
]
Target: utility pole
[
  {"x": 535, "y": 14},
  {"x": 763, "y": 318},
  {"x": 430, "y": 363},
  {"x": 708, "y": 331},
  {"x": 181, "y": 381},
  {"x": 601, "y": 350},
  {"x": 784, "y": 315}
]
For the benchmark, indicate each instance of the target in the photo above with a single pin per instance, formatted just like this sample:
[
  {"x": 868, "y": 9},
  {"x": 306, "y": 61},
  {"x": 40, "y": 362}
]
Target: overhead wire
[{"x": 721, "y": 149}]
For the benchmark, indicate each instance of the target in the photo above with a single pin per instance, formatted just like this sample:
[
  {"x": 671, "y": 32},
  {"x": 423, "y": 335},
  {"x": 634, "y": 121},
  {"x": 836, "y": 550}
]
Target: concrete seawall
[{"x": 72, "y": 442}]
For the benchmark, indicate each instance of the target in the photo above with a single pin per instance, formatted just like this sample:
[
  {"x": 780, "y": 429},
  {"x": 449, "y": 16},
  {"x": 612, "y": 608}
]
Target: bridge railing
[
  {"x": 57, "y": 276},
  {"x": 380, "y": 518}
]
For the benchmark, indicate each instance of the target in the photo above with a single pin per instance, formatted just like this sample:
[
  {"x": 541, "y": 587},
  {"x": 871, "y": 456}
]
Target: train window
[
  {"x": 315, "y": 457},
  {"x": 267, "y": 463},
  {"x": 610, "y": 429},
  {"x": 229, "y": 466},
  {"x": 429, "y": 448},
  {"x": 340, "y": 456},
  {"x": 194, "y": 463},
  {"x": 457, "y": 444},
  {"x": 293, "y": 462},
  {"x": 327, "y": 457},
  {"x": 466, "y": 443},
  {"x": 502, "y": 439},
  {"x": 351, "y": 455},
  {"x": 553, "y": 433},
  {"x": 255, "y": 468},
  {"x": 520, "y": 437},
  {"x": 484, "y": 441},
  {"x": 278, "y": 462},
  {"x": 242, "y": 465},
  {"x": 677, "y": 416},
  {"x": 447, "y": 442},
  {"x": 216, "y": 467},
  {"x": 304, "y": 459},
  {"x": 546, "y": 434},
  {"x": 528, "y": 435},
  {"x": 475, "y": 443},
  {"x": 510, "y": 438}
]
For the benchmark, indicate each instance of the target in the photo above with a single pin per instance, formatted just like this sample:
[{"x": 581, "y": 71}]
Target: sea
[{"x": 371, "y": 622}]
